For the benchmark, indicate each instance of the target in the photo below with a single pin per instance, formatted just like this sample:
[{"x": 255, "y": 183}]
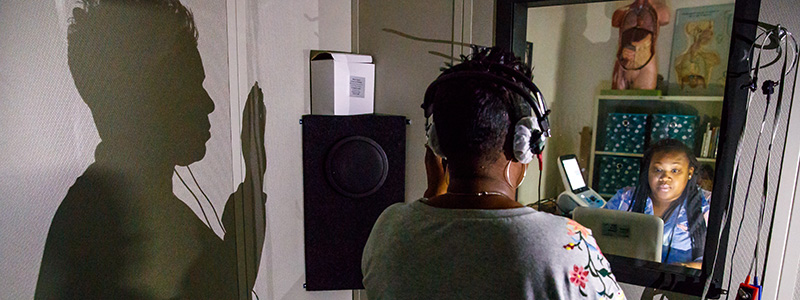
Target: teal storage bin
[
  {"x": 617, "y": 172},
  {"x": 625, "y": 132},
  {"x": 679, "y": 127}
]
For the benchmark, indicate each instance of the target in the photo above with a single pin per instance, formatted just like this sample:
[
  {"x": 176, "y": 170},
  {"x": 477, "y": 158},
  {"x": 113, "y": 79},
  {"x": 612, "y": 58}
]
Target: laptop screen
[{"x": 624, "y": 233}]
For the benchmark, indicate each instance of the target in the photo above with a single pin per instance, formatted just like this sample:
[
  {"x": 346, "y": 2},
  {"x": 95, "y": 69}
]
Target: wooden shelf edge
[
  {"x": 619, "y": 153},
  {"x": 662, "y": 98}
]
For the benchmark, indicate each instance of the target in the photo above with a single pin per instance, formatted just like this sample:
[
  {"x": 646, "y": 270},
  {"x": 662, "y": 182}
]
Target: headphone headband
[{"x": 532, "y": 96}]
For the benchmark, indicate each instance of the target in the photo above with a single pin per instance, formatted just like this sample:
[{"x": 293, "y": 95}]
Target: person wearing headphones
[
  {"x": 668, "y": 188},
  {"x": 468, "y": 237}
]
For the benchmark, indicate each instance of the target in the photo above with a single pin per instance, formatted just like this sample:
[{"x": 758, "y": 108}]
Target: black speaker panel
[
  {"x": 353, "y": 168},
  {"x": 356, "y": 166}
]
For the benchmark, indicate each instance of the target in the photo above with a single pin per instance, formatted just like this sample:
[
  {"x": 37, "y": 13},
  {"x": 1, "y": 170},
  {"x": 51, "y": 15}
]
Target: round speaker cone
[{"x": 356, "y": 166}]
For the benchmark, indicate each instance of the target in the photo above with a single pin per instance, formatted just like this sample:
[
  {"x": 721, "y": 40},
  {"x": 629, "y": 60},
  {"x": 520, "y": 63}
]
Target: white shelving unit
[
  {"x": 700, "y": 159},
  {"x": 706, "y": 107}
]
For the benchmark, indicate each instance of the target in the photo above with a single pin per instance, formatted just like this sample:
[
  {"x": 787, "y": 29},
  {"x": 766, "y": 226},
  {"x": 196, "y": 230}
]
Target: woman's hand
[{"x": 436, "y": 169}]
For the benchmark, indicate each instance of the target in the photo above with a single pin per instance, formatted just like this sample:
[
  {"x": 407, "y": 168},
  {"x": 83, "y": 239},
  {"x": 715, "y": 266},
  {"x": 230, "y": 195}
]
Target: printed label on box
[{"x": 358, "y": 86}]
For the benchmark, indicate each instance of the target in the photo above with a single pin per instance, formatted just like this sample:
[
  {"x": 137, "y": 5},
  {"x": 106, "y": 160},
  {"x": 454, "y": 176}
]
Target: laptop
[{"x": 623, "y": 233}]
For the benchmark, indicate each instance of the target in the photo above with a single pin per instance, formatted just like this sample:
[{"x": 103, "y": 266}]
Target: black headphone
[{"x": 528, "y": 91}]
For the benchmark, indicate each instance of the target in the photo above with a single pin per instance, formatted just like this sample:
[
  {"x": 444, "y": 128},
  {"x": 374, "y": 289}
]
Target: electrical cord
[
  {"x": 747, "y": 192},
  {"x": 208, "y": 223},
  {"x": 196, "y": 199},
  {"x": 539, "y": 194},
  {"x": 785, "y": 36},
  {"x": 768, "y": 90},
  {"x": 728, "y": 212},
  {"x": 219, "y": 221},
  {"x": 781, "y": 85}
]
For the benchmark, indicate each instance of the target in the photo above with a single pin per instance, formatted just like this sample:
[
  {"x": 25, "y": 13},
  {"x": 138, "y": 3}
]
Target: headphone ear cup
[
  {"x": 537, "y": 142},
  {"x": 523, "y": 132},
  {"x": 433, "y": 141},
  {"x": 537, "y": 138}
]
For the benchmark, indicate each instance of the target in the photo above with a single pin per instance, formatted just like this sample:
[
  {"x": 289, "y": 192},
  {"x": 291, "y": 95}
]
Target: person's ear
[{"x": 691, "y": 172}]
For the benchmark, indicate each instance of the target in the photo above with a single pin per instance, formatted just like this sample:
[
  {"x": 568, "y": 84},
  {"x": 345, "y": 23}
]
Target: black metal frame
[{"x": 510, "y": 32}]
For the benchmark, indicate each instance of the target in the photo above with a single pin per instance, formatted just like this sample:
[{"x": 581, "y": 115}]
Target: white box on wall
[{"x": 342, "y": 84}]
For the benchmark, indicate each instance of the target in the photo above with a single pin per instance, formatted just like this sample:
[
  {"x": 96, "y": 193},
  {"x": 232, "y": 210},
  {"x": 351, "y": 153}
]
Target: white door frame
[{"x": 237, "y": 86}]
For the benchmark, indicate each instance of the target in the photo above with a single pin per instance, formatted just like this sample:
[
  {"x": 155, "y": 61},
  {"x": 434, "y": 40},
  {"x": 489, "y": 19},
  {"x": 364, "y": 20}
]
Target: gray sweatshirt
[{"x": 417, "y": 251}]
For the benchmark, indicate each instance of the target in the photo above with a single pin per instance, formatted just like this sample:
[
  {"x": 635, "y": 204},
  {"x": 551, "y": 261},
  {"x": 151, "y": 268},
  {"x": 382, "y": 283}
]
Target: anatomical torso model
[{"x": 636, "y": 64}]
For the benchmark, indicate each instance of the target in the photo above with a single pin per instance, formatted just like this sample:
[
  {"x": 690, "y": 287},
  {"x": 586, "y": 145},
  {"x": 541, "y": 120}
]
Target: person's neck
[
  {"x": 659, "y": 206},
  {"x": 477, "y": 193},
  {"x": 136, "y": 166},
  {"x": 481, "y": 185}
]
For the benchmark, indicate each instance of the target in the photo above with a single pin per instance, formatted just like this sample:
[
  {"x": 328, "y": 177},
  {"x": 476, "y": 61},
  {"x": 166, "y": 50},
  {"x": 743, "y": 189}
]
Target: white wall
[
  {"x": 404, "y": 67},
  {"x": 279, "y": 37},
  {"x": 47, "y": 135},
  {"x": 545, "y": 31},
  {"x": 574, "y": 49}
]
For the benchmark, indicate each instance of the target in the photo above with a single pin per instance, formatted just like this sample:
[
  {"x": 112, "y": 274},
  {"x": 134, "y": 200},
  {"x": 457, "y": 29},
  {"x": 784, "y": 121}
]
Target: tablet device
[{"x": 572, "y": 174}]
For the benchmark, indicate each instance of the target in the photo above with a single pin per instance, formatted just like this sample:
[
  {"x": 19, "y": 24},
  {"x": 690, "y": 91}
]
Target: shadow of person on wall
[{"x": 120, "y": 232}]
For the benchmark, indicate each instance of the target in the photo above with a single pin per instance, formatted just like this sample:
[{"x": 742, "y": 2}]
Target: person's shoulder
[
  {"x": 386, "y": 228},
  {"x": 398, "y": 207},
  {"x": 551, "y": 229},
  {"x": 90, "y": 192},
  {"x": 401, "y": 212},
  {"x": 550, "y": 218},
  {"x": 536, "y": 219},
  {"x": 622, "y": 199},
  {"x": 705, "y": 205},
  {"x": 706, "y": 194},
  {"x": 628, "y": 191},
  {"x": 395, "y": 211},
  {"x": 570, "y": 237},
  {"x": 625, "y": 193}
]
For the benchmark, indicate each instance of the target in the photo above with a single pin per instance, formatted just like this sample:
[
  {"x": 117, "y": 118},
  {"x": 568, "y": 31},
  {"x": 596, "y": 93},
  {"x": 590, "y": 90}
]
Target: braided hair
[
  {"x": 692, "y": 192},
  {"x": 473, "y": 116}
]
